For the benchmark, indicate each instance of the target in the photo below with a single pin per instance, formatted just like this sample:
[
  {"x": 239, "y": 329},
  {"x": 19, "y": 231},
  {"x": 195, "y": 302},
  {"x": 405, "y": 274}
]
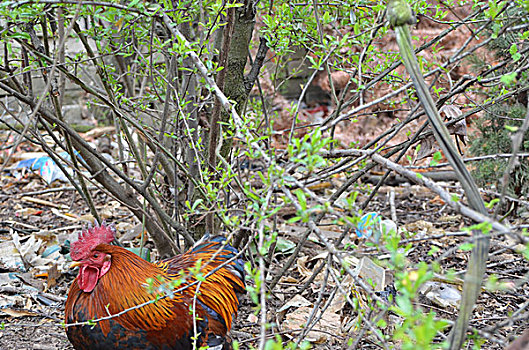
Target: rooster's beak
[{"x": 75, "y": 264}]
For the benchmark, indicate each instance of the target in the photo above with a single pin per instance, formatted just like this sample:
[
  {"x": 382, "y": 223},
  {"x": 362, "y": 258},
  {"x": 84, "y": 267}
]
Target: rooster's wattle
[{"x": 112, "y": 279}]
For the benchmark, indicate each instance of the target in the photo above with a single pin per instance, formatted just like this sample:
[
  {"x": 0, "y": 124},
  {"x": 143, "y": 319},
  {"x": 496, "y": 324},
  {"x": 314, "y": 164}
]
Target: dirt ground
[{"x": 33, "y": 319}]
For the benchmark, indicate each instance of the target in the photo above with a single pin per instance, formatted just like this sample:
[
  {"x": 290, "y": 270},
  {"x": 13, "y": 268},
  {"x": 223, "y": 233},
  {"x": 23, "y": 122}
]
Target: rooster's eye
[{"x": 96, "y": 255}]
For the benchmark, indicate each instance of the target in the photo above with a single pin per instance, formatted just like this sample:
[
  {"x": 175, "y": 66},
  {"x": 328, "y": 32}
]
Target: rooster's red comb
[{"x": 91, "y": 238}]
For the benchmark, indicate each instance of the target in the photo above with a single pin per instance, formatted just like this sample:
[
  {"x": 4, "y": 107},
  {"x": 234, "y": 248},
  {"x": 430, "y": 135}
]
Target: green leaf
[
  {"x": 490, "y": 205},
  {"x": 381, "y": 323},
  {"x": 20, "y": 35},
  {"x": 433, "y": 249},
  {"x": 436, "y": 158},
  {"x": 466, "y": 246},
  {"x": 508, "y": 79},
  {"x": 285, "y": 246},
  {"x": 513, "y": 49},
  {"x": 133, "y": 3},
  {"x": 294, "y": 219}
]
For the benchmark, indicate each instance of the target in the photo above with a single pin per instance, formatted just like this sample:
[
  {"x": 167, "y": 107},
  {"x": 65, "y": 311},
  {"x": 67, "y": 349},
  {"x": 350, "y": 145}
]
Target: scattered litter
[
  {"x": 26, "y": 212},
  {"x": 10, "y": 258},
  {"x": 252, "y": 318},
  {"x": 371, "y": 273},
  {"x": 297, "y": 301},
  {"x": 50, "y": 250},
  {"x": 10, "y": 298},
  {"x": 421, "y": 228},
  {"x": 372, "y": 224},
  {"x": 42, "y": 202},
  {"x": 7, "y": 278},
  {"x": 441, "y": 294},
  {"x": 47, "y": 301},
  {"x": 17, "y": 313},
  {"x": 321, "y": 332},
  {"x": 45, "y": 166},
  {"x": 388, "y": 292},
  {"x": 28, "y": 249}
]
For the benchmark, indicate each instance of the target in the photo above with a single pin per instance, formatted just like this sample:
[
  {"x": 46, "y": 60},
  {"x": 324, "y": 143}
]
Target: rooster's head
[{"x": 93, "y": 263}]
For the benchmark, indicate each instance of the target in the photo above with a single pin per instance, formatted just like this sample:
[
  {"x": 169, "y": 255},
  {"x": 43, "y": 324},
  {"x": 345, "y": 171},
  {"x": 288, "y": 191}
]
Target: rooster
[{"x": 186, "y": 311}]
